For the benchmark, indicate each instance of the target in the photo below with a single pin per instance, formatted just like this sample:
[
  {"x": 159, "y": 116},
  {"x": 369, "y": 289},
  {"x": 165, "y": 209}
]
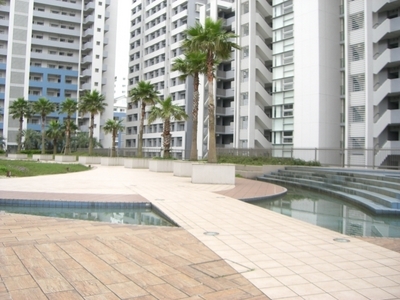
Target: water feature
[
  {"x": 122, "y": 213},
  {"x": 332, "y": 213}
]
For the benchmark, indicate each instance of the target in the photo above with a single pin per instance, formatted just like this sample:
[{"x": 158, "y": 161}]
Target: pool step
[{"x": 377, "y": 191}]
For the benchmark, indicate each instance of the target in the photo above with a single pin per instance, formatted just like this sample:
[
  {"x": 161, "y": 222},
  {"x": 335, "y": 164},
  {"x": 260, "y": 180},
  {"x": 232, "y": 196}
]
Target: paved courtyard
[{"x": 257, "y": 254}]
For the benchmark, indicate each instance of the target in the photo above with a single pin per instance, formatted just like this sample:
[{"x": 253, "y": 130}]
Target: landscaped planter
[
  {"x": 112, "y": 161},
  {"x": 65, "y": 158},
  {"x": 182, "y": 168},
  {"x": 136, "y": 163},
  {"x": 161, "y": 165},
  {"x": 42, "y": 156},
  {"x": 213, "y": 173},
  {"x": 89, "y": 160},
  {"x": 17, "y": 156}
]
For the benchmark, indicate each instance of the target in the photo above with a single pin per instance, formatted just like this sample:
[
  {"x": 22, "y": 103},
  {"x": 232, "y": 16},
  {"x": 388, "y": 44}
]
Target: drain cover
[
  {"x": 341, "y": 240},
  {"x": 211, "y": 233}
]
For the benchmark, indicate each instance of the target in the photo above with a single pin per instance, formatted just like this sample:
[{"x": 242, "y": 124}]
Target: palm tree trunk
[
  {"x": 91, "y": 134},
  {"x": 43, "y": 135},
  {"x": 212, "y": 148},
  {"x": 114, "y": 136},
  {"x": 54, "y": 147},
  {"x": 195, "y": 112},
  {"x": 140, "y": 138},
  {"x": 167, "y": 138},
  {"x": 21, "y": 120},
  {"x": 68, "y": 137}
]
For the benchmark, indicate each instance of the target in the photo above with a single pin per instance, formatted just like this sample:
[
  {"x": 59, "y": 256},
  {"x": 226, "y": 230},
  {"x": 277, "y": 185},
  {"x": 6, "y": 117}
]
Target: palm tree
[
  {"x": 69, "y": 107},
  {"x": 43, "y": 107},
  {"x": 2, "y": 142},
  {"x": 55, "y": 132},
  {"x": 143, "y": 94},
  {"x": 93, "y": 103},
  {"x": 32, "y": 139},
  {"x": 20, "y": 109},
  {"x": 192, "y": 65},
  {"x": 113, "y": 127},
  {"x": 217, "y": 44},
  {"x": 166, "y": 111}
]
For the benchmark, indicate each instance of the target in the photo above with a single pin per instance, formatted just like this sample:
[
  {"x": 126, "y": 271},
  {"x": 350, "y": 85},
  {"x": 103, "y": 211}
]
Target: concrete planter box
[
  {"x": 17, "y": 156},
  {"x": 112, "y": 161},
  {"x": 136, "y": 163},
  {"x": 213, "y": 173},
  {"x": 161, "y": 165},
  {"x": 42, "y": 156},
  {"x": 182, "y": 168},
  {"x": 65, "y": 158},
  {"x": 89, "y": 160}
]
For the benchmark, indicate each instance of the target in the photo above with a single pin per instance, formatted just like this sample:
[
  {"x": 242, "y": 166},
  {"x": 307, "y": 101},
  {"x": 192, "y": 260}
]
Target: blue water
[
  {"x": 117, "y": 213},
  {"x": 332, "y": 213}
]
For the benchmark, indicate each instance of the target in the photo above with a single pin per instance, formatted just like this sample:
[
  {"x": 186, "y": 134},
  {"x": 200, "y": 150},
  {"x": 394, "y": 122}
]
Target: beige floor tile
[
  {"x": 33, "y": 293},
  {"x": 278, "y": 292},
  {"x": 291, "y": 280},
  {"x": 53, "y": 284},
  {"x": 332, "y": 286},
  {"x": 376, "y": 294},
  {"x": 305, "y": 289},
  {"x": 66, "y": 295},
  {"x": 356, "y": 283},
  {"x": 13, "y": 270},
  {"x": 90, "y": 287},
  {"x": 128, "y": 290},
  {"x": 19, "y": 282}
]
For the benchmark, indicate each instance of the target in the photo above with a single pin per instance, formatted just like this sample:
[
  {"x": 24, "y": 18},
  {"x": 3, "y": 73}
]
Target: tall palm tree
[
  {"x": 166, "y": 110},
  {"x": 217, "y": 44},
  {"x": 113, "y": 127},
  {"x": 20, "y": 109},
  {"x": 2, "y": 142},
  {"x": 193, "y": 64},
  {"x": 55, "y": 132},
  {"x": 69, "y": 107},
  {"x": 143, "y": 94},
  {"x": 93, "y": 103},
  {"x": 43, "y": 107}
]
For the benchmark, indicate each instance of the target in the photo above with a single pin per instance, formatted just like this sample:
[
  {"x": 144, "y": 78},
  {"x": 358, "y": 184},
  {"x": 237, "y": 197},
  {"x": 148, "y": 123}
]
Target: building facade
[
  {"x": 56, "y": 50},
  {"x": 311, "y": 74}
]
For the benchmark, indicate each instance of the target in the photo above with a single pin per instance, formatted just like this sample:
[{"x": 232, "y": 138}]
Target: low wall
[
  {"x": 213, "y": 173},
  {"x": 136, "y": 163}
]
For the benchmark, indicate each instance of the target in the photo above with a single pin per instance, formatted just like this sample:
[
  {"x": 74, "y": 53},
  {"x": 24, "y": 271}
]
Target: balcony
[
  {"x": 388, "y": 118},
  {"x": 225, "y": 93},
  {"x": 88, "y": 20},
  {"x": 387, "y": 29},
  {"x": 390, "y": 86},
  {"x": 90, "y": 7},
  {"x": 388, "y": 57}
]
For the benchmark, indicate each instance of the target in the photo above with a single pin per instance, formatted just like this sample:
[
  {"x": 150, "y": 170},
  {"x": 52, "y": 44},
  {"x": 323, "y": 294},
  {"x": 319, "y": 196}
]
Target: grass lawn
[{"x": 22, "y": 168}]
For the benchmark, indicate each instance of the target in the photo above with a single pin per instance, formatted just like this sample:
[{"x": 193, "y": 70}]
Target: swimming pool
[
  {"x": 117, "y": 213},
  {"x": 332, "y": 213}
]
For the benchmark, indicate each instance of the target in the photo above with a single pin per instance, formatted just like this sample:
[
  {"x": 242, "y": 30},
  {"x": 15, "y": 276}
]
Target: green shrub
[{"x": 259, "y": 161}]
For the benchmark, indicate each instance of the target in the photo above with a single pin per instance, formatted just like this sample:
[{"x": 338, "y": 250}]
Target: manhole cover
[
  {"x": 211, "y": 233},
  {"x": 341, "y": 240}
]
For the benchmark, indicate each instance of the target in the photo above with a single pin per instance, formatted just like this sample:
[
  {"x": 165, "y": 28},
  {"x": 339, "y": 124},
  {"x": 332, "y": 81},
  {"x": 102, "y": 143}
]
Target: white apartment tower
[
  {"x": 55, "y": 49},
  {"x": 311, "y": 74}
]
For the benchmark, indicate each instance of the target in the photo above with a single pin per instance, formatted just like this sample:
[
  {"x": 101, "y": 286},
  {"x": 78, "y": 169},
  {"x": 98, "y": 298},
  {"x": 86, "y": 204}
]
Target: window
[
  {"x": 244, "y": 99},
  {"x": 245, "y": 75},
  {"x": 357, "y": 83},
  {"x": 245, "y": 30},
  {"x": 356, "y": 21},
  {"x": 357, "y": 114},
  {"x": 288, "y": 84},
  {"x": 244, "y": 122},
  {"x": 357, "y": 52},
  {"x": 288, "y": 110},
  {"x": 287, "y": 137},
  {"x": 245, "y": 8},
  {"x": 245, "y": 52},
  {"x": 96, "y": 70}
]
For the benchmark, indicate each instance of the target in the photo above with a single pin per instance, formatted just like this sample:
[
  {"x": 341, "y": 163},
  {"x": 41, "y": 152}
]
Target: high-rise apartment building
[
  {"x": 56, "y": 49},
  {"x": 311, "y": 74}
]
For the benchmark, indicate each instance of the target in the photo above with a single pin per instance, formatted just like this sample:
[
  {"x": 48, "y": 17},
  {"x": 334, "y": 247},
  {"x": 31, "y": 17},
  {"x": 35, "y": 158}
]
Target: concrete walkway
[{"x": 283, "y": 257}]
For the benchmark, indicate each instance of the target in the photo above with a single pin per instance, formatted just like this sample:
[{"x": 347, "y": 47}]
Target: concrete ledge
[
  {"x": 65, "y": 158},
  {"x": 213, "y": 173},
  {"x": 182, "y": 168},
  {"x": 17, "y": 156},
  {"x": 252, "y": 172},
  {"x": 112, "y": 161},
  {"x": 42, "y": 156},
  {"x": 161, "y": 165},
  {"x": 86, "y": 160},
  {"x": 136, "y": 163}
]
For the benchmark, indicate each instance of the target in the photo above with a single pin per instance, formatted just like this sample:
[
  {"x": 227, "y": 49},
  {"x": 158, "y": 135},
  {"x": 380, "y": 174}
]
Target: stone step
[
  {"x": 375, "y": 207},
  {"x": 389, "y": 176},
  {"x": 390, "y": 190}
]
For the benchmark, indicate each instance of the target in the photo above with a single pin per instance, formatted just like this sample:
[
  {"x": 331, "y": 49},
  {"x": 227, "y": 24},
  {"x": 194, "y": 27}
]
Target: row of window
[{"x": 55, "y": 25}]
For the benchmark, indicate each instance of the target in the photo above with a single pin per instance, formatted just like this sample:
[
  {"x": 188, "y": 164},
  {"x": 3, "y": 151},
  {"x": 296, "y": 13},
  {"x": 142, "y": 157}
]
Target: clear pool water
[
  {"x": 122, "y": 213},
  {"x": 332, "y": 213}
]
